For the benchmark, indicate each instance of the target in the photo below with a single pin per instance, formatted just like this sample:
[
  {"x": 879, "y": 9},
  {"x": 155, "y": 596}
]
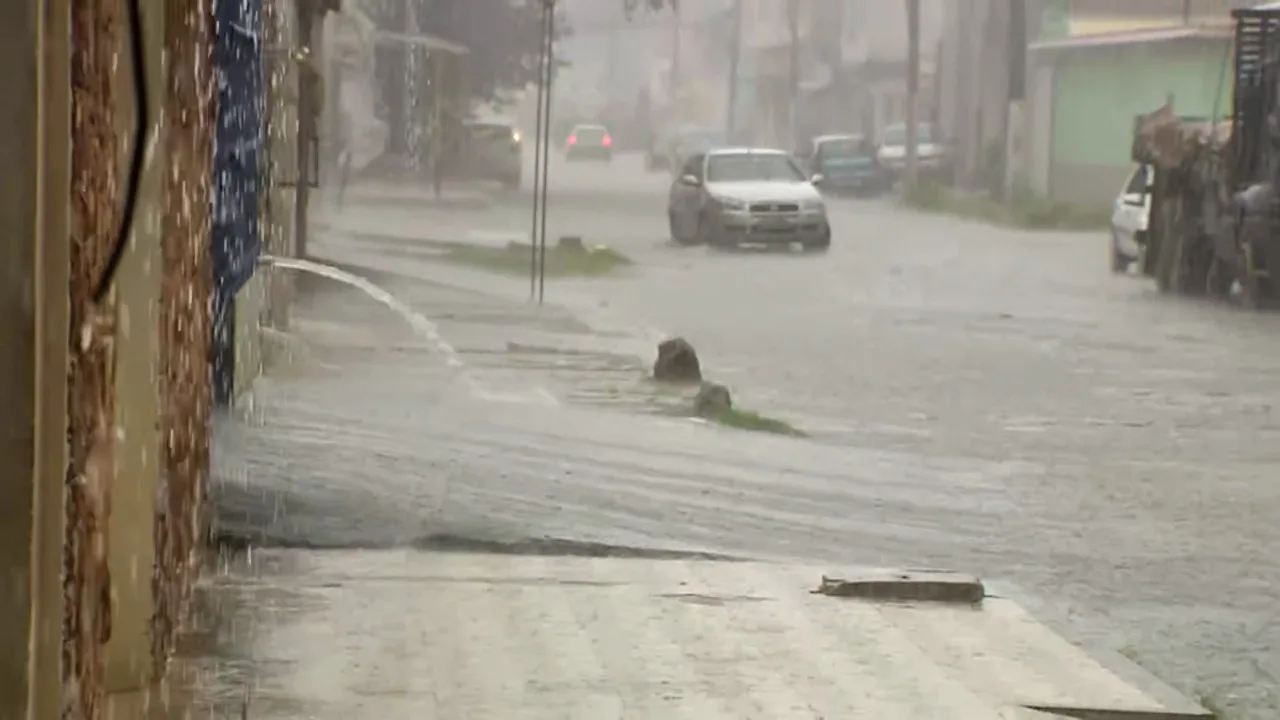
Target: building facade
[{"x": 851, "y": 65}]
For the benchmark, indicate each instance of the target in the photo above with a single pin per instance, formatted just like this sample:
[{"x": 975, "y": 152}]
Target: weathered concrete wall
[
  {"x": 184, "y": 313},
  {"x": 131, "y": 534},
  {"x": 33, "y": 276},
  {"x": 96, "y": 153},
  {"x": 251, "y": 304}
]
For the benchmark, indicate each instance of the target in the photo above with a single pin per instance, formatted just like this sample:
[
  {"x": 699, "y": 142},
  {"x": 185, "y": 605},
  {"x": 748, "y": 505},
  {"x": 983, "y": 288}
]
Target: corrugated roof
[{"x": 1137, "y": 37}]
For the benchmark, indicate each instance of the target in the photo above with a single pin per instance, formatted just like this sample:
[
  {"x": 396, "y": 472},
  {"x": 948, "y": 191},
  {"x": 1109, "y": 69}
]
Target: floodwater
[{"x": 975, "y": 399}]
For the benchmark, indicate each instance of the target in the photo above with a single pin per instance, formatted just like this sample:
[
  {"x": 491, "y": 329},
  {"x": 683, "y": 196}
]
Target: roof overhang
[
  {"x": 429, "y": 42},
  {"x": 1136, "y": 38}
]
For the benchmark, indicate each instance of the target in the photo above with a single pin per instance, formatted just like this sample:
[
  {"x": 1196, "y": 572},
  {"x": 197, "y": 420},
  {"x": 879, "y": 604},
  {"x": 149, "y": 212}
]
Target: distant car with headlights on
[
  {"x": 931, "y": 154},
  {"x": 589, "y": 142},
  {"x": 747, "y": 196},
  {"x": 848, "y": 165},
  {"x": 492, "y": 150}
]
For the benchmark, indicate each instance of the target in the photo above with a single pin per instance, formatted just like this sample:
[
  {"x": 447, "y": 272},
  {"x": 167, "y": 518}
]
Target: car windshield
[
  {"x": 752, "y": 167},
  {"x": 492, "y": 130},
  {"x": 844, "y": 148},
  {"x": 897, "y": 135},
  {"x": 589, "y": 133}
]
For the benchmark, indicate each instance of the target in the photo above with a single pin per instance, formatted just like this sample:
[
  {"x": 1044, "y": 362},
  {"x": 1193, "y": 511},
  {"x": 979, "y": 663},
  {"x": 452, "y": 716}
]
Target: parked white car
[
  {"x": 931, "y": 153},
  {"x": 1129, "y": 219}
]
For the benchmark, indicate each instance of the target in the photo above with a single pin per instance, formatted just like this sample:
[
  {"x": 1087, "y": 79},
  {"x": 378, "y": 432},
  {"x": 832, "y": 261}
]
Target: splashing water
[{"x": 420, "y": 324}]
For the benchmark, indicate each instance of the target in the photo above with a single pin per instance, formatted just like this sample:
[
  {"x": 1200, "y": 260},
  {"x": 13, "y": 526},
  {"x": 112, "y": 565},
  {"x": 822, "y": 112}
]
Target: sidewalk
[{"x": 404, "y": 635}]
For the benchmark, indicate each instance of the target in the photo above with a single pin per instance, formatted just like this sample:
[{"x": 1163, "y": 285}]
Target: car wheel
[
  {"x": 709, "y": 233},
  {"x": 820, "y": 245},
  {"x": 674, "y": 228}
]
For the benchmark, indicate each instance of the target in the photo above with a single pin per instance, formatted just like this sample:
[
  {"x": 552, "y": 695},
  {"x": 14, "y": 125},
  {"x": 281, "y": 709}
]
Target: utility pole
[
  {"x": 308, "y": 88},
  {"x": 793, "y": 68},
  {"x": 735, "y": 56},
  {"x": 674, "y": 81},
  {"x": 913, "y": 84},
  {"x": 611, "y": 72}
]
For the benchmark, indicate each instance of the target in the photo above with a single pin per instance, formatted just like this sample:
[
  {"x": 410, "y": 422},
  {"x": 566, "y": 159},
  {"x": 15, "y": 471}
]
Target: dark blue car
[{"x": 847, "y": 165}]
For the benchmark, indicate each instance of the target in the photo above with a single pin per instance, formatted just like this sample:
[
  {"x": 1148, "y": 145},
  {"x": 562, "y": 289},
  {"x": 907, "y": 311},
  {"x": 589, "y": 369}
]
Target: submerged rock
[
  {"x": 712, "y": 400},
  {"x": 677, "y": 362}
]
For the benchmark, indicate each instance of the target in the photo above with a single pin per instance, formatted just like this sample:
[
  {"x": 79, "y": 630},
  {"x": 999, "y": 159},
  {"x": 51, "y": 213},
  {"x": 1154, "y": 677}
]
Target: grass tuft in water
[
  {"x": 754, "y": 421},
  {"x": 560, "y": 262}
]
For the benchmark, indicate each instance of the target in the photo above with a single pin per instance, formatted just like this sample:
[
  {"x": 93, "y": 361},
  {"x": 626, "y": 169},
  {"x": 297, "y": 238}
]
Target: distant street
[{"x": 981, "y": 399}]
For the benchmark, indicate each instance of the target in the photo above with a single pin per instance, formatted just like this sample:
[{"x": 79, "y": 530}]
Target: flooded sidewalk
[
  {"x": 371, "y": 452},
  {"x": 348, "y": 635}
]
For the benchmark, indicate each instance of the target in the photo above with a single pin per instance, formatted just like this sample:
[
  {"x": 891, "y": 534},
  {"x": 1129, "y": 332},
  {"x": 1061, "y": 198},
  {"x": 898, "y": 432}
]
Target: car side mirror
[
  {"x": 817, "y": 179},
  {"x": 690, "y": 180}
]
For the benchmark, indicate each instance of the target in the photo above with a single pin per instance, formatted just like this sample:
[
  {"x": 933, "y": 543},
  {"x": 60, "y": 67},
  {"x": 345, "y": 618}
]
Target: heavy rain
[{"x": 641, "y": 359}]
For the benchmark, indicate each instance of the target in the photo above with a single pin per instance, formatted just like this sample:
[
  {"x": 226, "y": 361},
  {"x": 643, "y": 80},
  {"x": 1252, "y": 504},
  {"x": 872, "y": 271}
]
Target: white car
[
  {"x": 492, "y": 150},
  {"x": 1129, "y": 219},
  {"x": 746, "y": 196},
  {"x": 931, "y": 154}
]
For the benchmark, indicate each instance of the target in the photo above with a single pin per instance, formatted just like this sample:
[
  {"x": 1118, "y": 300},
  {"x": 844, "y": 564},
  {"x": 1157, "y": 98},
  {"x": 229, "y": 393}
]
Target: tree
[
  {"x": 631, "y": 6},
  {"x": 502, "y": 38}
]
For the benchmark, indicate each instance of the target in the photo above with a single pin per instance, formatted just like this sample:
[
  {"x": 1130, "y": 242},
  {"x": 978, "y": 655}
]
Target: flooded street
[{"x": 976, "y": 399}]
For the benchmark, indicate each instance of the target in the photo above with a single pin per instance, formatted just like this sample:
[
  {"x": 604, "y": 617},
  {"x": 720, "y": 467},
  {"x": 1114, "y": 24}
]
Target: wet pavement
[
  {"x": 978, "y": 399},
  {"x": 406, "y": 634}
]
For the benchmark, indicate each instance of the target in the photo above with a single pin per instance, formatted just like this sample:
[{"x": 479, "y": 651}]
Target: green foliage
[
  {"x": 1024, "y": 210},
  {"x": 503, "y": 39},
  {"x": 631, "y": 6},
  {"x": 754, "y": 421},
  {"x": 514, "y": 259}
]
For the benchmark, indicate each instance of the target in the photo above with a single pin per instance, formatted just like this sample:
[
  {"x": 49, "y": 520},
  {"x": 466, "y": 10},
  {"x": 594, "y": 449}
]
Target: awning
[{"x": 430, "y": 42}]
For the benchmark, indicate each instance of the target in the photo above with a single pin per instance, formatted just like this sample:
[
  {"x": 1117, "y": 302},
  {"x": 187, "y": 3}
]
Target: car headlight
[
  {"x": 731, "y": 204},
  {"x": 813, "y": 206}
]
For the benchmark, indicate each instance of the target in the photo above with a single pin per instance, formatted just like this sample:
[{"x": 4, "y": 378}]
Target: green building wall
[{"x": 1098, "y": 93}]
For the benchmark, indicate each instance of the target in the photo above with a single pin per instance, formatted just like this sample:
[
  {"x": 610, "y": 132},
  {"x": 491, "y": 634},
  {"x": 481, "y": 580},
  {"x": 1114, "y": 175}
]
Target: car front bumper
[
  {"x": 746, "y": 229},
  {"x": 853, "y": 183},
  {"x": 589, "y": 153}
]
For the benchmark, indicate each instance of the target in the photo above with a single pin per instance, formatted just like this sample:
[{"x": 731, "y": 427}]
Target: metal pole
[
  {"x": 537, "y": 155},
  {"x": 306, "y": 131},
  {"x": 674, "y": 80},
  {"x": 735, "y": 56},
  {"x": 913, "y": 82},
  {"x": 548, "y": 38}
]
